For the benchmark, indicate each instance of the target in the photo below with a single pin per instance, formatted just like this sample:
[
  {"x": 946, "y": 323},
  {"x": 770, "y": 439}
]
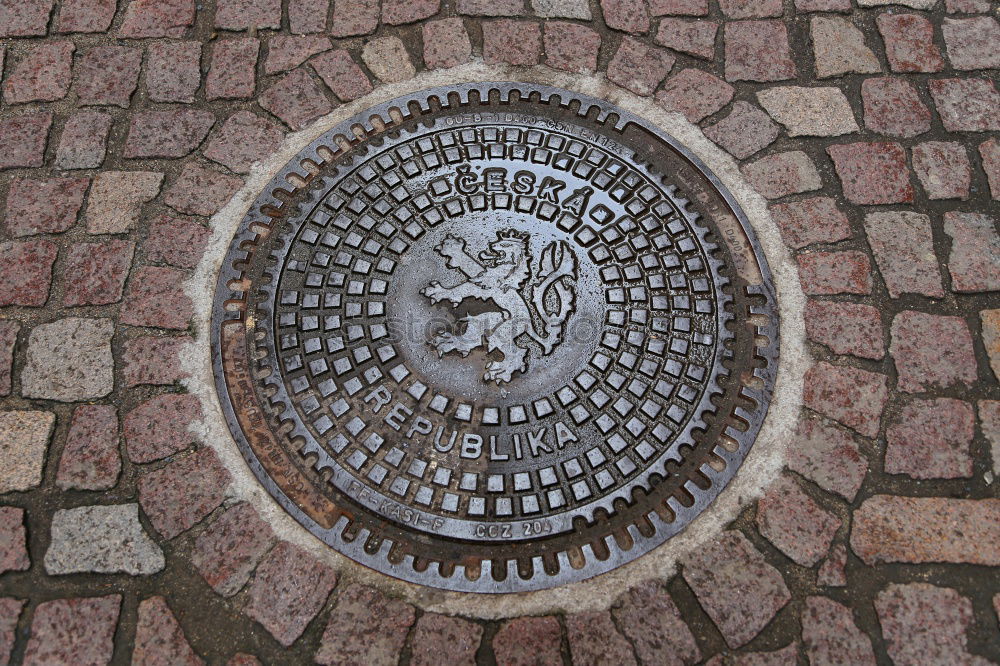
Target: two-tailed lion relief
[{"x": 504, "y": 275}]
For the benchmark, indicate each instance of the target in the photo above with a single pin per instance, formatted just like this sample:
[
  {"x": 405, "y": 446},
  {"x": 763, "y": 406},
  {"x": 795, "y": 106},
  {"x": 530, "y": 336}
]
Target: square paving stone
[
  {"x": 626, "y": 15},
  {"x": 295, "y": 99},
  {"x": 43, "y": 75},
  {"x": 174, "y": 133},
  {"x": 94, "y": 273},
  {"x": 157, "y": 18},
  {"x": 159, "y": 638},
  {"x": 177, "y": 241},
  {"x": 85, "y": 15},
  {"x": 839, "y": 48},
  {"x": 108, "y": 75},
  {"x": 577, "y": 9},
  {"x": 376, "y": 628},
  {"x": 359, "y": 17},
  {"x": 909, "y": 42},
  {"x": 795, "y": 523},
  {"x": 594, "y": 639},
  {"x": 228, "y": 550},
  {"x": 243, "y": 139},
  {"x": 694, "y": 93},
  {"x": 943, "y": 169},
  {"x": 971, "y": 43},
  {"x": 26, "y": 272},
  {"x": 512, "y": 42},
  {"x": 904, "y": 252},
  {"x": 809, "y": 221},
  {"x": 924, "y": 623},
  {"x": 24, "y": 441},
  {"x": 101, "y": 539},
  {"x": 829, "y": 457},
  {"x": 758, "y": 51},
  {"x": 524, "y": 639},
  {"x": 153, "y": 360},
  {"x": 342, "y": 75},
  {"x": 388, "y": 59},
  {"x": 47, "y": 206},
  {"x": 745, "y": 131},
  {"x": 696, "y": 38},
  {"x": 232, "y": 74},
  {"x": 638, "y": 67},
  {"x": 84, "y": 140},
  {"x": 931, "y": 439},
  {"x": 69, "y": 360},
  {"x": 24, "y": 19},
  {"x": 932, "y": 352},
  {"x": 446, "y": 43},
  {"x": 177, "y": 496},
  {"x": 24, "y": 136},
  {"x": 74, "y": 631},
  {"x": 872, "y": 173},
  {"x": 727, "y": 564},
  {"x": 158, "y": 427},
  {"x": 287, "y": 591},
  {"x": 974, "y": 261},
  {"x": 893, "y": 108},
  {"x": 173, "y": 70},
  {"x": 809, "y": 111},
  {"x": 650, "y": 619},
  {"x": 90, "y": 459},
  {"x": 827, "y": 273},
  {"x": 309, "y": 16},
  {"x": 201, "y": 190},
  {"x": 967, "y": 105},
  {"x": 846, "y": 328},
  {"x": 850, "y": 396},
  {"x": 285, "y": 52},
  {"x": 571, "y": 47},
  {"x": 117, "y": 197},
  {"x": 831, "y": 636},
  {"x": 244, "y": 14},
  {"x": 400, "y": 12},
  {"x": 439, "y": 639},
  {"x": 781, "y": 174}
]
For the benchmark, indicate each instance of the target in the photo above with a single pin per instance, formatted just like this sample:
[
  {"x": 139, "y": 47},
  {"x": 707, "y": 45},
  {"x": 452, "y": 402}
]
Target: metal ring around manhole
[{"x": 494, "y": 337}]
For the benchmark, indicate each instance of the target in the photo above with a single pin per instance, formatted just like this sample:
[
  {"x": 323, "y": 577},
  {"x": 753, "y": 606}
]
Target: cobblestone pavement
[{"x": 870, "y": 126}]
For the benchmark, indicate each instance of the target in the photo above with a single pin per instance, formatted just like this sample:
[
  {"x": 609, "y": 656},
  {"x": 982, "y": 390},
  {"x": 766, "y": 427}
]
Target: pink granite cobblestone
[
  {"x": 90, "y": 459},
  {"x": 287, "y": 591},
  {"x": 903, "y": 245}
]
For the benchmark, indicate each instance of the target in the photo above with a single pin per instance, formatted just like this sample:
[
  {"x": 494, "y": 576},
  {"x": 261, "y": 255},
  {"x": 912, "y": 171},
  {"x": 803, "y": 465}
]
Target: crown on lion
[{"x": 512, "y": 234}]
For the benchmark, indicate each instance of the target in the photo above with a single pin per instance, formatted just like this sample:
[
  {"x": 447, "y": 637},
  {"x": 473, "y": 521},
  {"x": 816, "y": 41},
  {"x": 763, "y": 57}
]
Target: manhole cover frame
[{"x": 377, "y": 552}]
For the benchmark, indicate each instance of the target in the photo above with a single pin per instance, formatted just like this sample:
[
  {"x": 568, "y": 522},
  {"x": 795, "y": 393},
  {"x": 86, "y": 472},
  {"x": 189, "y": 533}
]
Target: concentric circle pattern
[{"x": 495, "y": 337}]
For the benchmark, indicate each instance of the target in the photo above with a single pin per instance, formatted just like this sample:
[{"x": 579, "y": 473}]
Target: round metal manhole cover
[{"x": 494, "y": 337}]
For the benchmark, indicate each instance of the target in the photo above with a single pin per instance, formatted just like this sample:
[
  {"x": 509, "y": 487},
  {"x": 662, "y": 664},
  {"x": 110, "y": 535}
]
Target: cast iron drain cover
[{"x": 494, "y": 337}]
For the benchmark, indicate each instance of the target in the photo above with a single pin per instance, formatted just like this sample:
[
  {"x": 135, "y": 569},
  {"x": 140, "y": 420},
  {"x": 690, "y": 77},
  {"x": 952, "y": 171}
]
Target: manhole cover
[{"x": 494, "y": 337}]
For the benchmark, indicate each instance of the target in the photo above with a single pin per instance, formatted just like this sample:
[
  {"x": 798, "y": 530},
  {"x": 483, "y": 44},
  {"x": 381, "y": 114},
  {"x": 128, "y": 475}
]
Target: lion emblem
[{"x": 521, "y": 293}]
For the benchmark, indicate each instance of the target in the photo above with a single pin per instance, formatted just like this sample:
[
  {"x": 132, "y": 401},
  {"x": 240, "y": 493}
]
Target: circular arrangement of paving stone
[{"x": 509, "y": 338}]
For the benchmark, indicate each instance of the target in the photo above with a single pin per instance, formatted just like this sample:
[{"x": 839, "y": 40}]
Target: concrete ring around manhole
[{"x": 484, "y": 336}]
